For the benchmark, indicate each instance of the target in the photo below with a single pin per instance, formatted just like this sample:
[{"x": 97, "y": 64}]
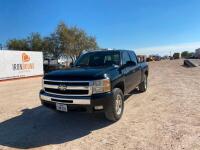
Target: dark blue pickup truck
[{"x": 97, "y": 81}]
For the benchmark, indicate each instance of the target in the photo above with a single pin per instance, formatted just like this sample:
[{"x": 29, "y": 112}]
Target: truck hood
[{"x": 86, "y": 73}]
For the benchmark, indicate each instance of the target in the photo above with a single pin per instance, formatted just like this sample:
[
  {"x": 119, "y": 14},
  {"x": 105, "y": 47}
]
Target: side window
[
  {"x": 125, "y": 58},
  {"x": 133, "y": 57},
  {"x": 107, "y": 58}
]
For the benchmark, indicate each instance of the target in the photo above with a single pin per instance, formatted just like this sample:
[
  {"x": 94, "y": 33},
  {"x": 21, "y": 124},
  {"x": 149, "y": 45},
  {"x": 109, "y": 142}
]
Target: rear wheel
[
  {"x": 143, "y": 85},
  {"x": 114, "y": 111}
]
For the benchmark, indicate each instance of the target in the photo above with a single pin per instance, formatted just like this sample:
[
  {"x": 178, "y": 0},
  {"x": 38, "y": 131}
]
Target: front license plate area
[{"x": 61, "y": 107}]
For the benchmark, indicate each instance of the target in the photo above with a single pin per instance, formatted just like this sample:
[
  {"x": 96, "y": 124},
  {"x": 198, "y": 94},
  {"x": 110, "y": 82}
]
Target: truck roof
[{"x": 106, "y": 50}]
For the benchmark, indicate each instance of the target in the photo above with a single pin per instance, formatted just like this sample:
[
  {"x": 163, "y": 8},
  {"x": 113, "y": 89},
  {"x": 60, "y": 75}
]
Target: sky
[{"x": 146, "y": 26}]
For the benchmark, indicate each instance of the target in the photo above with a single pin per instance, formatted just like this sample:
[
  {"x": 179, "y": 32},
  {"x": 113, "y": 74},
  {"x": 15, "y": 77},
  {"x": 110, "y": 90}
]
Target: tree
[
  {"x": 51, "y": 46},
  {"x": 73, "y": 40},
  {"x": 35, "y": 42},
  {"x": 186, "y": 54},
  {"x": 18, "y": 45},
  {"x": 70, "y": 41},
  {"x": 31, "y": 43}
]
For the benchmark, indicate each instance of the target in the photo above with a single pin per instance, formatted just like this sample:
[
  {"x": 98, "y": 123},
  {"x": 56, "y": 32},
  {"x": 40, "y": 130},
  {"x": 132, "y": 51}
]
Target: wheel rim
[{"x": 118, "y": 105}]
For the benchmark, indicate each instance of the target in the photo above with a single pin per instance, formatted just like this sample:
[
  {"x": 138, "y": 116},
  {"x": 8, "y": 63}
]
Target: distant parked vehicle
[
  {"x": 52, "y": 64},
  {"x": 177, "y": 55},
  {"x": 165, "y": 57},
  {"x": 154, "y": 58},
  {"x": 150, "y": 58},
  {"x": 197, "y": 53},
  {"x": 142, "y": 58}
]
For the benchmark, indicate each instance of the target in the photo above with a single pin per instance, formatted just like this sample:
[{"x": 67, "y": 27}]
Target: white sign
[{"x": 16, "y": 64}]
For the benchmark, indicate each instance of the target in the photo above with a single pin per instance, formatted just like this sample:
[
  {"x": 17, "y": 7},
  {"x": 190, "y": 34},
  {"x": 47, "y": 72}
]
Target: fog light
[
  {"x": 46, "y": 98},
  {"x": 98, "y": 107}
]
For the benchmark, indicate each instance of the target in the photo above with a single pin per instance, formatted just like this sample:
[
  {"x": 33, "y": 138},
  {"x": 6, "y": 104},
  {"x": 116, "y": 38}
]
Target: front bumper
[{"x": 88, "y": 102}]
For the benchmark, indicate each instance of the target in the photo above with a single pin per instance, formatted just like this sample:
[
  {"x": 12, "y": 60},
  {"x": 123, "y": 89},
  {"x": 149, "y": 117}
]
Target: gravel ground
[{"x": 166, "y": 117}]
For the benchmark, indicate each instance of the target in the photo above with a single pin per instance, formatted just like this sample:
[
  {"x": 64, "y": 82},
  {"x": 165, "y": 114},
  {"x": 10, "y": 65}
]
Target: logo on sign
[
  {"x": 25, "y": 65},
  {"x": 25, "y": 57}
]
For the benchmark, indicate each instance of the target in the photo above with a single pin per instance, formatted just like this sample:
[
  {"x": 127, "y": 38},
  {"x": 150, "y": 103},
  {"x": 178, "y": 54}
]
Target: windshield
[{"x": 95, "y": 59}]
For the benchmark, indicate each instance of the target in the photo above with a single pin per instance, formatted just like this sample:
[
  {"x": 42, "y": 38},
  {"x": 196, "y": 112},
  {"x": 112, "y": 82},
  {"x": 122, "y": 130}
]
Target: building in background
[{"x": 197, "y": 53}]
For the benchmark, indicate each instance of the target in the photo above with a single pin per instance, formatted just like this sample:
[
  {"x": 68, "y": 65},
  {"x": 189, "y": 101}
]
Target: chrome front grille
[{"x": 68, "y": 88}]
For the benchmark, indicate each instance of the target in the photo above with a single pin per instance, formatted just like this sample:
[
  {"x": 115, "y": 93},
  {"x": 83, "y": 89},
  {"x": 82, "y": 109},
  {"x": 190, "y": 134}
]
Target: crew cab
[{"x": 97, "y": 81}]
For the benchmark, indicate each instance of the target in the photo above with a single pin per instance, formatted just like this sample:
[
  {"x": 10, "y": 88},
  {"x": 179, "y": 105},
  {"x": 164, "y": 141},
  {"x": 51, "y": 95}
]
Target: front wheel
[
  {"x": 143, "y": 85},
  {"x": 114, "y": 111}
]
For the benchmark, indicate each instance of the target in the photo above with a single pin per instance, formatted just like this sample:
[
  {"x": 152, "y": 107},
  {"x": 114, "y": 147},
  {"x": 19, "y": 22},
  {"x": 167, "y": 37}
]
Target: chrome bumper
[{"x": 65, "y": 100}]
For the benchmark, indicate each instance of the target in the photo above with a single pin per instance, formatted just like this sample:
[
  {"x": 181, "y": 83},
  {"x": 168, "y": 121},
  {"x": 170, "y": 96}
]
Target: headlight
[{"x": 101, "y": 86}]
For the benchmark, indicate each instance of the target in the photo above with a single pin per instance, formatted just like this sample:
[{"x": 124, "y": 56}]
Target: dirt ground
[{"x": 166, "y": 117}]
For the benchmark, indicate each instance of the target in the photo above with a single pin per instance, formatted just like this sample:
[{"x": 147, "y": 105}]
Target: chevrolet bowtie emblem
[{"x": 62, "y": 87}]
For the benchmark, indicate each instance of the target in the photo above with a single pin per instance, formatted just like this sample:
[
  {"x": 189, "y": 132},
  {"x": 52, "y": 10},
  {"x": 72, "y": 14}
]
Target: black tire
[
  {"x": 143, "y": 85},
  {"x": 111, "y": 111}
]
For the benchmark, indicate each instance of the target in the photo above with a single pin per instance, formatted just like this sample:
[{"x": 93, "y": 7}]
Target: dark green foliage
[
  {"x": 15, "y": 44},
  {"x": 186, "y": 54},
  {"x": 64, "y": 40}
]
